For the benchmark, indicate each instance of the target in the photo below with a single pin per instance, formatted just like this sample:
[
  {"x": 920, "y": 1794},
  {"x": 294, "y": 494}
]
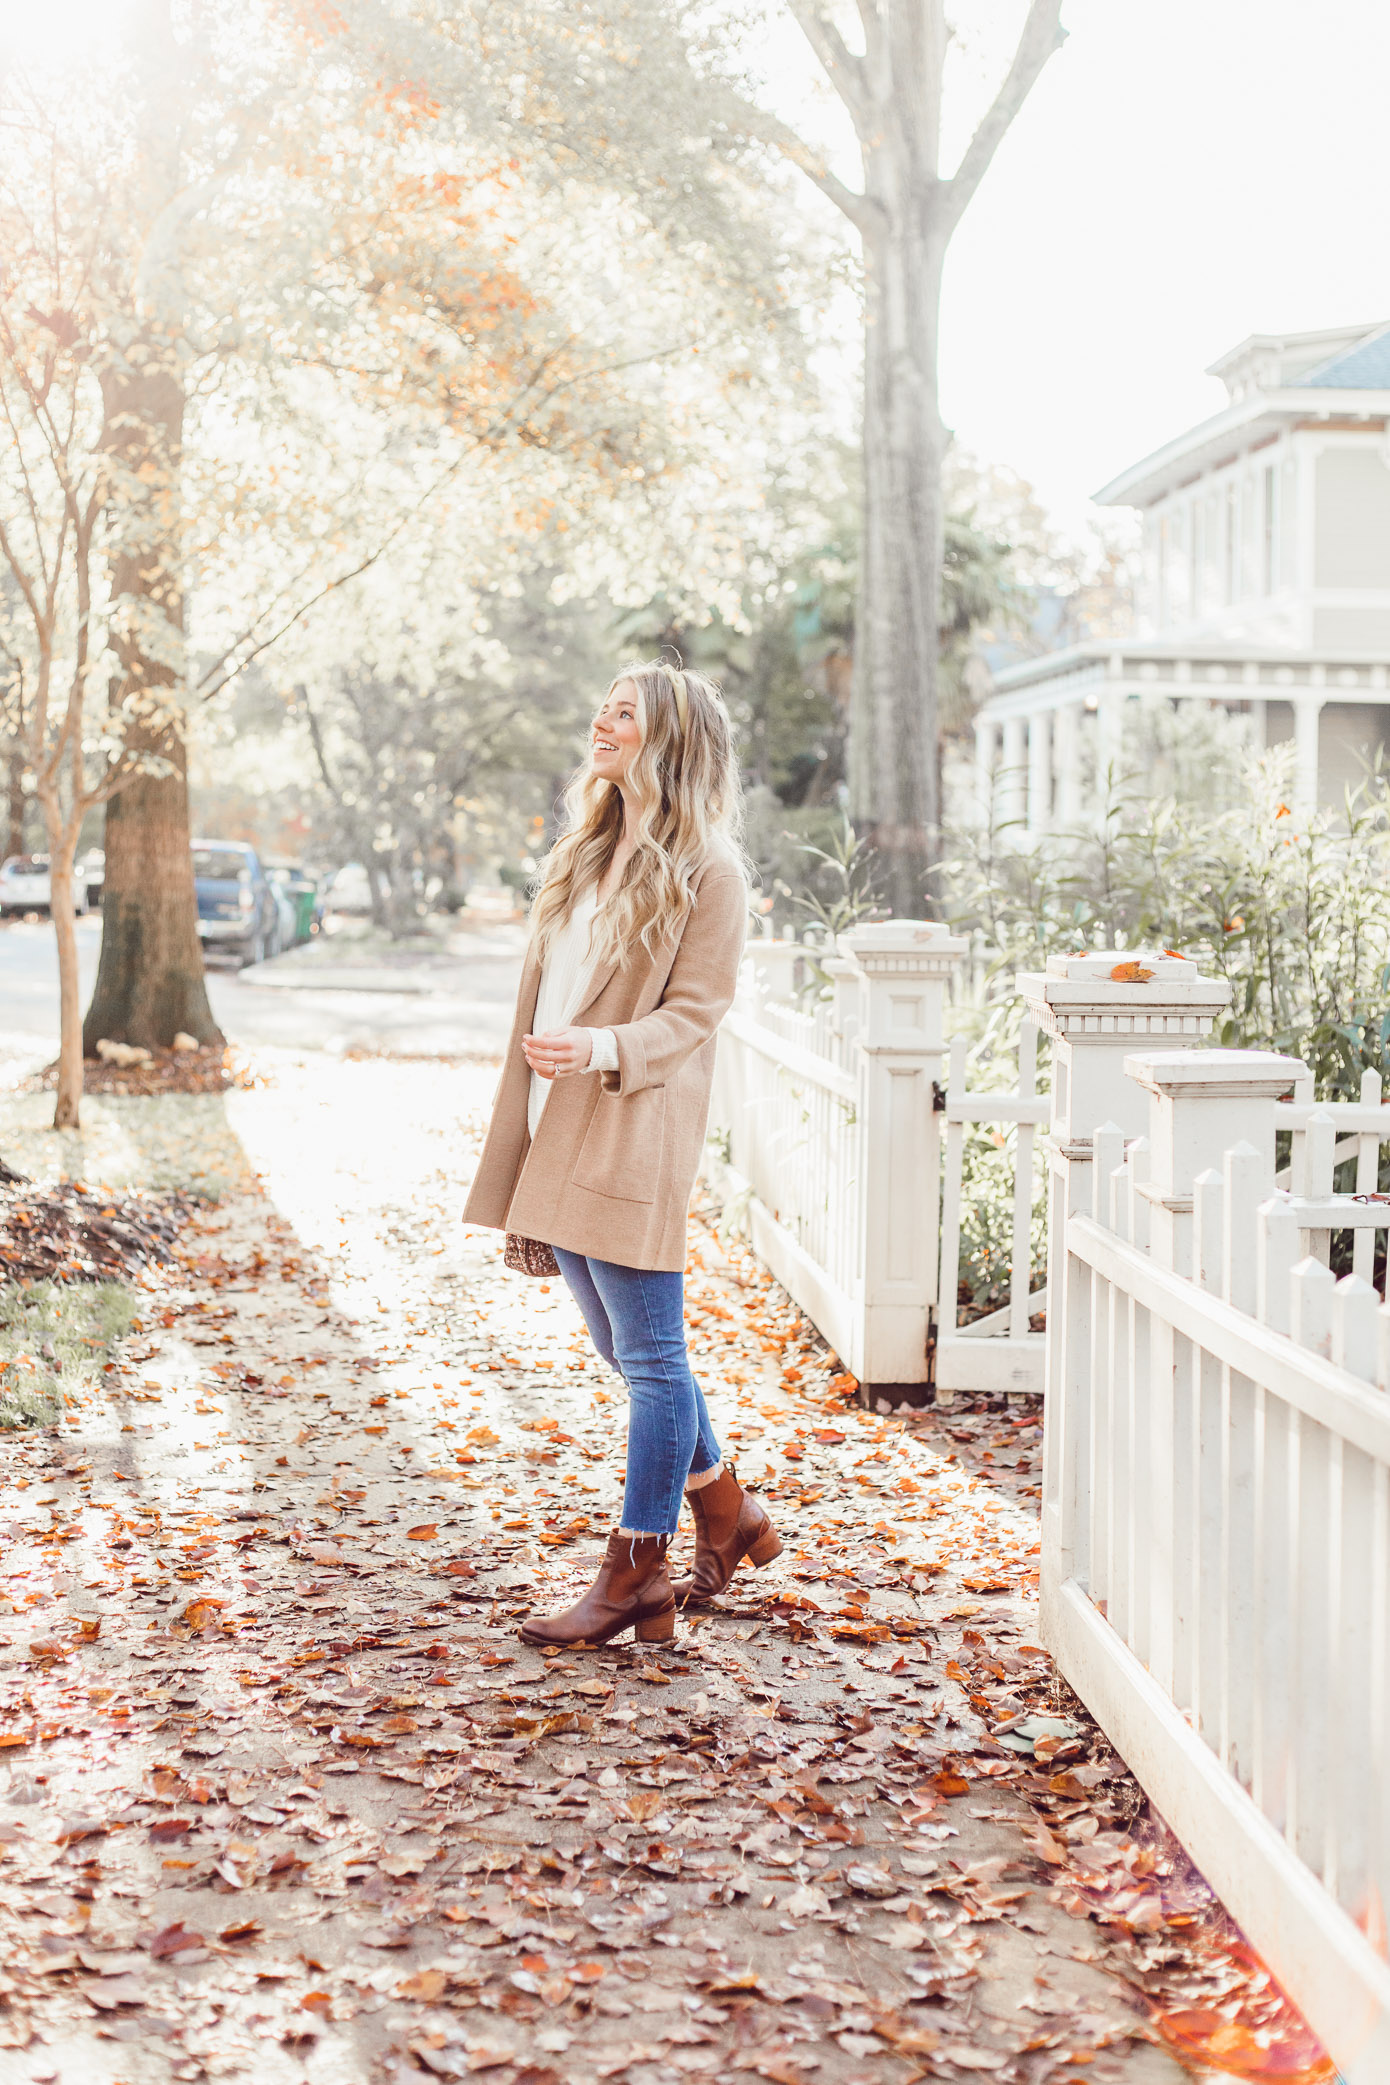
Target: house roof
[
  {"x": 1364, "y": 367},
  {"x": 1269, "y": 377}
]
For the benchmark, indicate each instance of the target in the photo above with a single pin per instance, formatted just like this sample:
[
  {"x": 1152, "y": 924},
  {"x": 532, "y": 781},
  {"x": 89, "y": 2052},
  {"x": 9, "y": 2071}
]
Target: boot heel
[
  {"x": 767, "y": 1546},
  {"x": 657, "y": 1628}
]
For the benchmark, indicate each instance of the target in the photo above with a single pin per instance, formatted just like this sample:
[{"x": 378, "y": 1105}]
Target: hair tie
[{"x": 682, "y": 698}]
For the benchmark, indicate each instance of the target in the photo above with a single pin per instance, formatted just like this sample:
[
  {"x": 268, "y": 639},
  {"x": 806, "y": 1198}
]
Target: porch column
[
  {"x": 1010, "y": 801},
  {"x": 1066, "y": 746},
  {"x": 985, "y": 736},
  {"x": 1040, "y": 772},
  {"x": 1307, "y": 714},
  {"x": 1110, "y": 741}
]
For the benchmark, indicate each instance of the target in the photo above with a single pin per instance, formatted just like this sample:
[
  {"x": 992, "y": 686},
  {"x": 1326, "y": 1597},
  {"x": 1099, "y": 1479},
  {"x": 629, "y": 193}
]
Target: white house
[{"x": 1266, "y": 586}]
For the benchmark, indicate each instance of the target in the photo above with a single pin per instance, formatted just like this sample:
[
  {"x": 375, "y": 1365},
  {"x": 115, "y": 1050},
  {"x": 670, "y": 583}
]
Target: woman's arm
[{"x": 699, "y": 990}]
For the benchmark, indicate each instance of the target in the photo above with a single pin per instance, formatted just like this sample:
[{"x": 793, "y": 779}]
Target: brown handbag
[{"x": 530, "y": 1256}]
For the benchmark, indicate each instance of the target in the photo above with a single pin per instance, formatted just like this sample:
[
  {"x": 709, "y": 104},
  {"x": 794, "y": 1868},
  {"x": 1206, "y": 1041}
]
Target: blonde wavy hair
[{"x": 685, "y": 778}]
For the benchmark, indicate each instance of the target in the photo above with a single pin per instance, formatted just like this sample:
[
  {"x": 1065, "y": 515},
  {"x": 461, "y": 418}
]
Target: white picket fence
[
  {"x": 1216, "y": 1526},
  {"x": 1216, "y": 1509},
  {"x": 1324, "y": 1137},
  {"x": 830, "y": 1141},
  {"x": 830, "y": 1116},
  {"x": 997, "y": 1351}
]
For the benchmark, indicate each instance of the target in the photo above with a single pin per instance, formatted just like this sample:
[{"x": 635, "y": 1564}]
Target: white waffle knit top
[{"x": 563, "y": 990}]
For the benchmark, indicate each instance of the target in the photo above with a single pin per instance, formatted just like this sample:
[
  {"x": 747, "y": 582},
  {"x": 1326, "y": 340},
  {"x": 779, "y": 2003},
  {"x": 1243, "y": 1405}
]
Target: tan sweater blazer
[{"x": 616, "y": 1152}]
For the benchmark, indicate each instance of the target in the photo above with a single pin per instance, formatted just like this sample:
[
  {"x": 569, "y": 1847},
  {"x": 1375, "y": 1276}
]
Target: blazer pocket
[{"x": 621, "y": 1152}]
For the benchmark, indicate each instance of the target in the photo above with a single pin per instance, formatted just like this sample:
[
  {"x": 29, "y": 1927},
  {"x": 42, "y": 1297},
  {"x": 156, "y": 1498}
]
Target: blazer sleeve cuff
[{"x": 630, "y": 1073}]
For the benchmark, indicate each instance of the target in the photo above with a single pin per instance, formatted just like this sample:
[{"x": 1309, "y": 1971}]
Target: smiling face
[{"x": 616, "y": 733}]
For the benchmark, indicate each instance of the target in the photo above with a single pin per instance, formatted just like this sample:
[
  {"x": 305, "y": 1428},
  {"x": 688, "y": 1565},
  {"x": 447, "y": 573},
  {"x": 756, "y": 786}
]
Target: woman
[{"x": 599, "y": 1120}]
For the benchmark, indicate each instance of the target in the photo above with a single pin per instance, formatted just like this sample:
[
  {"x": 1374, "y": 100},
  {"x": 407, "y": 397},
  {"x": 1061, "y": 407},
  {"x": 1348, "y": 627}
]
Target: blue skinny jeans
[{"x": 636, "y": 1319}]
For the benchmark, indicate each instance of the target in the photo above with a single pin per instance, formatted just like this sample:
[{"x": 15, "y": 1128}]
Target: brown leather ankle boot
[
  {"x": 729, "y": 1526},
  {"x": 632, "y": 1591}
]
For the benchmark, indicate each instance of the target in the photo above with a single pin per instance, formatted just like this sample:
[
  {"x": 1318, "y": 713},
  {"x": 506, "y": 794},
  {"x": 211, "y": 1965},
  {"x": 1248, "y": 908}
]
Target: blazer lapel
[
  {"x": 594, "y": 986},
  {"x": 527, "y": 993}
]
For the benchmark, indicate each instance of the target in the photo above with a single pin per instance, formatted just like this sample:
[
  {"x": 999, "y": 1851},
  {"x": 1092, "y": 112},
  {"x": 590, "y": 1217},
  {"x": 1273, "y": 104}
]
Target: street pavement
[{"x": 454, "y": 1002}]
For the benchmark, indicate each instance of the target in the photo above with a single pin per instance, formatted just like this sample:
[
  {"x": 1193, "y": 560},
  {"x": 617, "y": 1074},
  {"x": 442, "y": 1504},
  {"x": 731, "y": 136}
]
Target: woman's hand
[{"x": 561, "y": 1050}]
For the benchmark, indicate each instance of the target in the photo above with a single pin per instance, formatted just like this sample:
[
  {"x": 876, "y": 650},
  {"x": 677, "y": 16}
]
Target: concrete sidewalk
[{"x": 283, "y": 1795}]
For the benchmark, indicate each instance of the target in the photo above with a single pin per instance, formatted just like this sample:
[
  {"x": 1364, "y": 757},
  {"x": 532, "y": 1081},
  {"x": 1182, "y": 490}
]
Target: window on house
[
  {"x": 1270, "y": 554},
  {"x": 1230, "y": 547}
]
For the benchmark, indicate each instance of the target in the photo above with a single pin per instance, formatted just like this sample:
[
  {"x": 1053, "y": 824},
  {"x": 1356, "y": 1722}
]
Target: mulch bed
[
  {"x": 210, "y": 1070},
  {"x": 73, "y": 1233}
]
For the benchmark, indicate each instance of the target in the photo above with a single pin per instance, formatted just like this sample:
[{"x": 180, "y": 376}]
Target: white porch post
[
  {"x": 1040, "y": 771},
  {"x": 1066, "y": 744},
  {"x": 1012, "y": 780},
  {"x": 1307, "y": 716},
  {"x": 905, "y": 965},
  {"x": 984, "y": 768},
  {"x": 1110, "y": 740},
  {"x": 1093, "y": 1019}
]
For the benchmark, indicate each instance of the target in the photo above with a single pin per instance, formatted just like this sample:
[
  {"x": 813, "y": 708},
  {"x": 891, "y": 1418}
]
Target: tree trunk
[
  {"x": 150, "y": 981},
  {"x": 378, "y": 889},
  {"x": 60, "y": 905},
  {"x": 62, "y": 847},
  {"x": 15, "y": 844},
  {"x": 906, "y": 214},
  {"x": 895, "y": 771}
]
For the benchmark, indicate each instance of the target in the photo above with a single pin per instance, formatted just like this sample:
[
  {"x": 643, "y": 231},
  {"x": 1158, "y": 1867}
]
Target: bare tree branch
[
  {"x": 746, "y": 119},
  {"x": 1042, "y": 34},
  {"x": 236, "y": 651},
  {"x": 844, "y": 70}
]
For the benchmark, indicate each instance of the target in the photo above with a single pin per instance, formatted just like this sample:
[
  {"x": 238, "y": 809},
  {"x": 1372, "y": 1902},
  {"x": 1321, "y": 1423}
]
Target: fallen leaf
[
  {"x": 427, "y": 1531},
  {"x": 171, "y": 1940},
  {"x": 427, "y": 1984}
]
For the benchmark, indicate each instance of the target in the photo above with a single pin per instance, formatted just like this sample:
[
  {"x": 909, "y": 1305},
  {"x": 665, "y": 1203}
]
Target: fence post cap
[
  {"x": 891, "y": 940},
  {"x": 1138, "y": 966},
  {"x": 1215, "y": 1074},
  {"x": 1132, "y": 980}
]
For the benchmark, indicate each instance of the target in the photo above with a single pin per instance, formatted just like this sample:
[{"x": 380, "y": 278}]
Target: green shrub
[{"x": 1293, "y": 911}]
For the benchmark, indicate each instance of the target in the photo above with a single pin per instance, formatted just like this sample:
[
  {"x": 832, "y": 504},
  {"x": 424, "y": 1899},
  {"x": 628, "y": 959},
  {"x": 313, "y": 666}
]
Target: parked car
[
  {"x": 348, "y": 890},
  {"x": 24, "y": 885},
  {"x": 237, "y": 912},
  {"x": 297, "y": 886},
  {"x": 92, "y": 870}
]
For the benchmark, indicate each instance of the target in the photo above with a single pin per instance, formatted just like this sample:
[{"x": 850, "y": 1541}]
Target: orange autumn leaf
[
  {"x": 1130, "y": 974},
  {"x": 426, "y": 1532},
  {"x": 1292, "y": 2055}
]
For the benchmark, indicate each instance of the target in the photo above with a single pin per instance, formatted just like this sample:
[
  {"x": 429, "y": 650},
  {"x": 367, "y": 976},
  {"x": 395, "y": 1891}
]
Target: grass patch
[{"x": 54, "y": 1341}]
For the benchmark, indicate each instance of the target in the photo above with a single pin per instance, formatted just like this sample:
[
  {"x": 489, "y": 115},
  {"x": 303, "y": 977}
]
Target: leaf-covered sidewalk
[{"x": 283, "y": 1795}]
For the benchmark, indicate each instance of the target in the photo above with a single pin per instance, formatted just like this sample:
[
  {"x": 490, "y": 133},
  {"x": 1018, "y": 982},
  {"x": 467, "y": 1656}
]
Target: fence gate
[{"x": 840, "y": 1138}]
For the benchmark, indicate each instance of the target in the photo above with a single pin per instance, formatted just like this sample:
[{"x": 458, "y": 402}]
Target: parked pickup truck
[{"x": 237, "y": 912}]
